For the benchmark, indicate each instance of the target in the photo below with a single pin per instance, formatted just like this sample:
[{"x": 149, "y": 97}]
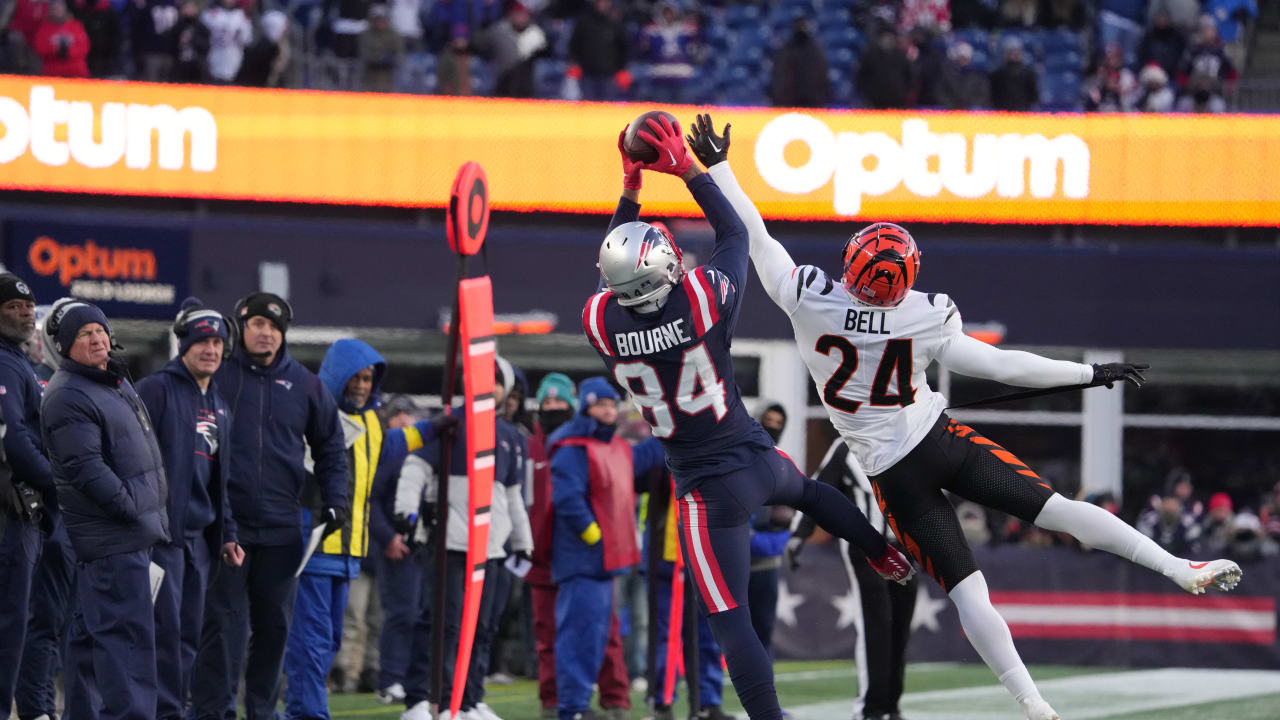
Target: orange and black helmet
[{"x": 880, "y": 264}]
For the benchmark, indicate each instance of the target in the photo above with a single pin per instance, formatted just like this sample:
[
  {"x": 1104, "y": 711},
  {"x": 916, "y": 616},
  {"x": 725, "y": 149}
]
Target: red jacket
[
  {"x": 28, "y": 15},
  {"x": 541, "y": 512},
  {"x": 49, "y": 39}
]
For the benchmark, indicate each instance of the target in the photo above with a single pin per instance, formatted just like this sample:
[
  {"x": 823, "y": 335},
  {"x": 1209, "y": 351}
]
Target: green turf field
[{"x": 824, "y": 691}]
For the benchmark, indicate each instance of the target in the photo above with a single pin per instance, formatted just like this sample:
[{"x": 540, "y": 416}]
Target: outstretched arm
[
  {"x": 975, "y": 358},
  {"x": 628, "y": 209},
  {"x": 772, "y": 261}
]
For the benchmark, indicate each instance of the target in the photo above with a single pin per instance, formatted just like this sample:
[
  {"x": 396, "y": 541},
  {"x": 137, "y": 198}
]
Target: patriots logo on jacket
[
  {"x": 288, "y": 384},
  {"x": 3, "y": 391},
  {"x": 207, "y": 428}
]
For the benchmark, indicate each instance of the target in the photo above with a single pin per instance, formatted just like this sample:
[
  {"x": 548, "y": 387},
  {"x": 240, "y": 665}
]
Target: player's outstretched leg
[
  {"x": 828, "y": 507},
  {"x": 1098, "y": 528}
]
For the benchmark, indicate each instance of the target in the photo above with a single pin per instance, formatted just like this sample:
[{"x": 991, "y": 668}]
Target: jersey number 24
[
  {"x": 698, "y": 388},
  {"x": 896, "y": 359}
]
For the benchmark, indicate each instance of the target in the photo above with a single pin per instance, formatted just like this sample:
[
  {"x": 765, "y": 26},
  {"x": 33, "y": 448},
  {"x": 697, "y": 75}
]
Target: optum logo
[
  {"x": 874, "y": 163},
  {"x": 100, "y": 139}
]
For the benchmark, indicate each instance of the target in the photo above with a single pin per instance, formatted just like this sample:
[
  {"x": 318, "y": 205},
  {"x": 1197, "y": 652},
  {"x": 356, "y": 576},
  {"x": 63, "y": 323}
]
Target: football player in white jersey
[{"x": 867, "y": 339}]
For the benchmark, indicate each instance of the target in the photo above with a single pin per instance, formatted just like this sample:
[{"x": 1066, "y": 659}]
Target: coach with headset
[
  {"x": 277, "y": 404},
  {"x": 193, "y": 427},
  {"x": 111, "y": 488}
]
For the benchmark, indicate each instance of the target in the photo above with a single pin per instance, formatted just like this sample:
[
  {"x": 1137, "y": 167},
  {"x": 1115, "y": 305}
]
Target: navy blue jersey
[{"x": 675, "y": 362}]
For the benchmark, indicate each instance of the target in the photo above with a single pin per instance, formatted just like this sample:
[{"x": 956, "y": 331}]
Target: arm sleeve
[
  {"x": 569, "y": 493},
  {"x": 521, "y": 532},
  {"x": 75, "y": 441},
  {"x": 324, "y": 433},
  {"x": 646, "y": 456},
  {"x": 29, "y": 464},
  {"x": 772, "y": 261},
  {"x": 398, "y": 443},
  {"x": 732, "y": 248},
  {"x": 974, "y": 358},
  {"x": 384, "y": 482},
  {"x": 415, "y": 481}
]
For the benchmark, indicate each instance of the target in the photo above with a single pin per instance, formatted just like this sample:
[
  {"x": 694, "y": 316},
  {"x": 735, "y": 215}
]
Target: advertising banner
[
  {"x": 375, "y": 149},
  {"x": 139, "y": 272}
]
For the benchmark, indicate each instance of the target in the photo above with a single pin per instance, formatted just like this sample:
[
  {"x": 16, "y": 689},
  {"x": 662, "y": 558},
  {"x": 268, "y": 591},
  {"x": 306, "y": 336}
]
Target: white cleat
[
  {"x": 1038, "y": 709},
  {"x": 1196, "y": 577},
  {"x": 420, "y": 711},
  {"x": 484, "y": 712}
]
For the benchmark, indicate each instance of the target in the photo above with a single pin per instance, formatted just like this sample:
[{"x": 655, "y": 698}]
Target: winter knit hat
[
  {"x": 195, "y": 322},
  {"x": 557, "y": 385},
  {"x": 13, "y": 288},
  {"x": 268, "y": 305},
  {"x": 594, "y": 389},
  {"x": 68, "y": 320}
]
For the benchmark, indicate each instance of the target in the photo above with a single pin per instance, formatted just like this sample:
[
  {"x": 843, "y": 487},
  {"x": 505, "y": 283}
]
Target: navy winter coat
[
  {"x": 109, "y": 471},
  {"x": 275, "y": 408},
  {"x": 20, "y": 392},
  {"x": 172, "y": 398}
]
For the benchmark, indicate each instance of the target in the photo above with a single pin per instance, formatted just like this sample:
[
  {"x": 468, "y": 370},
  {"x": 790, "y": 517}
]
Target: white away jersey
[{"x": 868, "y": 363}]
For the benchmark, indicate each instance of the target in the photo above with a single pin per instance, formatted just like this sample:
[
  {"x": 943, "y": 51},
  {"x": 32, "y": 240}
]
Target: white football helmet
[{"x": 640, "y": 263}]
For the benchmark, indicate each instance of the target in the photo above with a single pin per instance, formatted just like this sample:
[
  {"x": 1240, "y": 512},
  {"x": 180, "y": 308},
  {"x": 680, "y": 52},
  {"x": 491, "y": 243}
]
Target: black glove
[
  {"x": 793, "y": 548},
  {"x": 443, "y": 424},
  {"x": 402, "y": 524},
  {"x": 334, "y": 518},
  {"x": 1110, "y": 373},
  {"x": 523, "y": 555},
  {"x": 708, "y": 147}
]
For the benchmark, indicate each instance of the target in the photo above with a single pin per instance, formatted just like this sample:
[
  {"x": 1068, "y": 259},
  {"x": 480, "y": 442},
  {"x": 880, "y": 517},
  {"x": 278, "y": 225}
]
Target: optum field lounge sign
[{"x": 311, "y": 147}]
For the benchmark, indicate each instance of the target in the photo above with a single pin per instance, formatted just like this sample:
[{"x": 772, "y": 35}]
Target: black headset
[
  {"x": 243, "y": 303},
  {"x": 184, "y": 315}
]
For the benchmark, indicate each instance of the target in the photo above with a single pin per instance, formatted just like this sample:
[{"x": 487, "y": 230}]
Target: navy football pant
[
  {"x": 710, "y": 674},
  {"x": 715, "y": 540},
  {"x": 405, "y": 587},
  {"x": 52, "y": 597},
  {"x": 179, "y": 618},
  {"x": 19, "y": 550}
]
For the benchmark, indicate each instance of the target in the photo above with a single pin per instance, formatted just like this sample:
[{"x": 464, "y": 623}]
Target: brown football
[{"x": 635, "y": 146}]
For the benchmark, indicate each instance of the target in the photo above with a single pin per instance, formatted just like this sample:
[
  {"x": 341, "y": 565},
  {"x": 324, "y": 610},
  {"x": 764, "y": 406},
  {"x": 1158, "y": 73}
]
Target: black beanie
[
  {"x": 198, "y": 322},
  {"x": 13, "y": 288},
  {"x": 269, "y": 306}
]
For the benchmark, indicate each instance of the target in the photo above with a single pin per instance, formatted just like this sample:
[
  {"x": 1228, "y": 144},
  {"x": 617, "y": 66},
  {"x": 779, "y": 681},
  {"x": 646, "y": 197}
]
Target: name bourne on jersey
[{"x": 647, "y": 342}]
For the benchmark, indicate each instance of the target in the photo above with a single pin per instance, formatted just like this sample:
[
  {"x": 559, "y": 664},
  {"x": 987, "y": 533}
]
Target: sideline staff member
[{"x": 111, "y": 487}]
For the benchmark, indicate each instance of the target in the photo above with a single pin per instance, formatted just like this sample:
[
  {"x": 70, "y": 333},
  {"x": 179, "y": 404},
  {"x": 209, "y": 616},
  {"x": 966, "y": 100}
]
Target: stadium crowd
[{"x": 1058, "y": 55}]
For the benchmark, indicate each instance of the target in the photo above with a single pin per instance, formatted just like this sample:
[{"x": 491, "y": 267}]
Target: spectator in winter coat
[
  {"x": 884, "y": 77},
  {"x": 1154, "y": 93},
  {"x": 151, "y": 26},
  {"x": 112, "y": 490},
  {"x": 1207, "y": 60},
  {"x": 62, "y": 43},
  {"x": 381, "y": 52},
  {"x": 599, "y": 50},
  {"x": 1113, "y": 88},
  {"x": 230, "y": 32},
  {"x": 27, "y": 17},
  {"x": 512, "y": 44},
  {"x": 669, "y": 44},
  {"x": 352, "y": 374},
  {"x": 1163, "y": 45},
  {"x": 1171, "y": 527},
  {"x": 406, "y": 20},
  {"x": 193, "y": 428},
  {"x": 963, "y": 86},
  {"x": 509, "y": 521},
  {"x": 453, "y": 69},
  {"x": 1014, "y": 85},
  {"x": 266, "y": 58},
  {"x": 800, "y": 71},
  {"x": 351, "y": 22},
  {"x": 279, "y": 408},
  {"x": 190, "y": 47},
  {"x": 1215, "y": 530},
  {"x": 20, "y": 533},
  {"x": 1064, "y": 13},
  {"x": 1182, "y": 13},
  {"x": 102, "y": 26},
  {"x": 593, "y": 477}
]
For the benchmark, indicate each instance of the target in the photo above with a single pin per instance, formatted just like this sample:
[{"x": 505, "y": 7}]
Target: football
[{"x": 634, "y": 145}]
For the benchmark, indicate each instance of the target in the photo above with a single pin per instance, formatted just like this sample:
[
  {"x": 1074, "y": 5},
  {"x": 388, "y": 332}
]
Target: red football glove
[
  {"x": 892, "y": 565},
  {"x": 630, "y": 168},
  {"x": 673, "y": 155}
]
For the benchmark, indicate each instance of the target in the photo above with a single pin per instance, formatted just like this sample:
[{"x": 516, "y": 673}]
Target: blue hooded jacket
[
  {"x": 171, "y": 396},
  {"x": 341, "y": 553},
  {"x": 275, "y": 407},
  {"x": 571, "y": 555},
  {"x": 108, "y": 467},
  {"x": 20, "y": 392}
]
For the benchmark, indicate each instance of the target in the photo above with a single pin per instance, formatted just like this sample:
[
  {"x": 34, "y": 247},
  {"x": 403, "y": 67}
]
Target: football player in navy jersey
[{"x": 665, "y": 334}]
